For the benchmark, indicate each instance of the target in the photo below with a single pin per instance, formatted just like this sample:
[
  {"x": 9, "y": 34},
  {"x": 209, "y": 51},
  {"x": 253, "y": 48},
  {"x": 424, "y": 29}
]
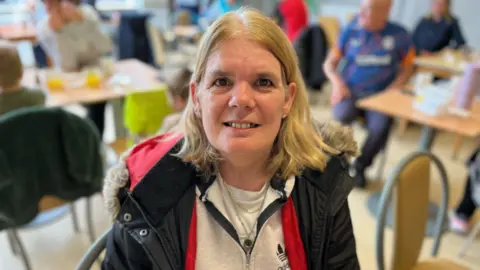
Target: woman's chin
[{"x": 242, "y": 145}]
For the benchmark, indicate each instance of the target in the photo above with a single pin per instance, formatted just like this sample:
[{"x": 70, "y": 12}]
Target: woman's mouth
[{"x": 242, "y": 125}]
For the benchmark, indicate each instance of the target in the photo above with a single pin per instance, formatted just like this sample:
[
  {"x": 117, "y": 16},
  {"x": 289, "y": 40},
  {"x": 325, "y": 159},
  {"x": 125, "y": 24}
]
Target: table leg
[
  {"x": 427, "y": 138},
  {"x": 117, "y": 106}
]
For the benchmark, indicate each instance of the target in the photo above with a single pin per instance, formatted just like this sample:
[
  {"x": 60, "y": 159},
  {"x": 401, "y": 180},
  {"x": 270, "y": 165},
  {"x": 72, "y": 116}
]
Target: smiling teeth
[{"x": 241, "y": 125}]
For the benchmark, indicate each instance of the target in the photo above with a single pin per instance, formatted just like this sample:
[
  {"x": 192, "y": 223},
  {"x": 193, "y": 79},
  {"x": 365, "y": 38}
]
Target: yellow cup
[
  {"x": 93, "y": 79},
  {"x": 54, "y": 83}
]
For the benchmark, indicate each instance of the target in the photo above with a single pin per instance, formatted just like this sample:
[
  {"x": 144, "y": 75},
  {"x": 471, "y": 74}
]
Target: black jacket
[
  {"x": 152, "y": 224},
  {"x": 45, "y": 152},
  {"x": 312, "y": 49}
]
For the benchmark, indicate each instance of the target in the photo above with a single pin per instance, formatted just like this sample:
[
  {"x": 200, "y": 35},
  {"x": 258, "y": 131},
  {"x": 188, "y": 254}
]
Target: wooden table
[
  {"x": 446, "y": 63},
  {"x": 15, "y": 32},
  {"x": 398, "y": 104},
  {"x": 143, "y": 78}
]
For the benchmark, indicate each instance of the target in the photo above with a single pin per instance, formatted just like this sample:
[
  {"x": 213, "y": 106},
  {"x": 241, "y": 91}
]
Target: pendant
[{"x": 247, "y": 244}]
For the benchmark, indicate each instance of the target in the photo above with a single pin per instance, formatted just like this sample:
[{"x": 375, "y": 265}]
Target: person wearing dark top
[{"x": 438, "y": 30}]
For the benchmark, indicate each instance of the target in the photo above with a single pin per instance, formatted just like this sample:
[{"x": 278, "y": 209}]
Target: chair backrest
[
  {"x": 46, "y": 152},
  {"x": 145, "y": 112},
  {"x": 158, "y": 43},
  {"x": 332, "y": 26},
  {"x": 93, "y": 252},
  {"x": 409, "y": 182}
]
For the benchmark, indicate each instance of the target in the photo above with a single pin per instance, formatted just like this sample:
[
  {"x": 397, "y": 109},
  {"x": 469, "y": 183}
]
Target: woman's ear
[
  {"x": 194, "y": 97},
  {"x": 289, "y": 97}
]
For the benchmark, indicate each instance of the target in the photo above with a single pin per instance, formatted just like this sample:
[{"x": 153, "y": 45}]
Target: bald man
[{"x": 377, "y": 56}]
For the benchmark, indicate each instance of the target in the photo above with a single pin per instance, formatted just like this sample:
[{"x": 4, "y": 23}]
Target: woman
[
  {"x": 460, "y": 220},
  {"x": 250, "y": 184},
  {"x": 438, "y": 30},
  {"x": 71, "y": 37}
]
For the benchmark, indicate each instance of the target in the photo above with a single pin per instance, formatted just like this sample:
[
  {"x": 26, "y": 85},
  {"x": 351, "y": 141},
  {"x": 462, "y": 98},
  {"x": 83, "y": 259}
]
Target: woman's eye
[
  {"x": 264, "y": 83},
  {"x": 222, "y": 82}
]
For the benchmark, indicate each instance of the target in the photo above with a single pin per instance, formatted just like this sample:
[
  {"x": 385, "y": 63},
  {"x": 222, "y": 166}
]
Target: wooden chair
[
  {"x": 157, "y": 41},
  {"x": 410, "y": 181},
  {"x": 332, "y": 27},
  {"x": 119, "y": 146}
]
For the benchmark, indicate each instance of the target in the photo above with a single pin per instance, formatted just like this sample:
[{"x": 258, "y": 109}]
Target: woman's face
[
  {"x": 439, "y": 7},
  {"x": 242, "y": 98}
]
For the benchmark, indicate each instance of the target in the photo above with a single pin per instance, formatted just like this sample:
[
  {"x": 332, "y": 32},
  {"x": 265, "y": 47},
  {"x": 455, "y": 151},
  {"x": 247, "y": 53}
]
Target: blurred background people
[
  {"x": 378, "y": 56},
  {"x": 72, "y": 38},
  {"x": 438, "y": 30},
  {"x": 12, "y": 94},
  {"x": 292, "y": 16}
]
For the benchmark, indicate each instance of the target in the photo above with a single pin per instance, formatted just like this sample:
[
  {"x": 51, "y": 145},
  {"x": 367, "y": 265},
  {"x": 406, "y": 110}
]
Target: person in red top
[{"x": 292, "y": 15}]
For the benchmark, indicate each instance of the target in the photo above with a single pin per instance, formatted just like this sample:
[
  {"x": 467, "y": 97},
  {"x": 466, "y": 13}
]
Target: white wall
[{"x": 408, "y": 12}]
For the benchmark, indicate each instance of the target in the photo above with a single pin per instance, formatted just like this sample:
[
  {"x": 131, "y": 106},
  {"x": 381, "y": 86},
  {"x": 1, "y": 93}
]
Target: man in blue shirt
[{"x": 377, "y": 56}]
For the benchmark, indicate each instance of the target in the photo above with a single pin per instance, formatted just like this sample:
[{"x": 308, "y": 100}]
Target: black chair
[{"x": 133, "y": 39}]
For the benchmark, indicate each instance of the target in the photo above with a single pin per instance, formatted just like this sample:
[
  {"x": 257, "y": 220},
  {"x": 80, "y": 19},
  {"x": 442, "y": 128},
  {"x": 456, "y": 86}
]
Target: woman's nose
[{"x": 242, "y": 96}]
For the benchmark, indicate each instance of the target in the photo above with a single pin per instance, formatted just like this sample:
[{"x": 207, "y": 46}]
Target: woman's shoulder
[
  {"x": 145, "y": 155},
  {"x": 335, "y": 174},
  {"x": 135, "y": 164}
]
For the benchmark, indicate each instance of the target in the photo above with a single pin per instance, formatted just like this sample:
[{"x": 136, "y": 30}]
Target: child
[
  {"x": 178, "y": 92},
  {"x": 12, "y": 95}
]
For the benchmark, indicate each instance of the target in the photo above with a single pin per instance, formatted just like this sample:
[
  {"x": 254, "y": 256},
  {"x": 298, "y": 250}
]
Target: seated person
[
  {"x": 438, "y": 30},
  {"x": 189, "y": 7},
  {"x": 292, "y": 16},
  {"x": 71, "y": 37},
  {"x": 460, "y": 220},
  {"x": 12, "y": 94},
  {"x": 378, "y": 56},
  {"x": 177, "y": 91}
]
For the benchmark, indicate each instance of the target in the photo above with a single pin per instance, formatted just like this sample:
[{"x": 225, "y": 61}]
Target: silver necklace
[{"x": 248, "y": 242}]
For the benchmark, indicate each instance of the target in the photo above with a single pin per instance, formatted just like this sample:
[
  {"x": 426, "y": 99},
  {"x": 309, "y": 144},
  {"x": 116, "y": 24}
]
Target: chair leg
[
  {"x": 73, "y": 210},
  {"x": 381, "y": 166},
  {"x": 12, "y": 243},
  {"x": 21, "y": 249},
  {"x": 457, "y": 146},
  {"x": 470, "y": 239},
  {"x": 91, "y": 232}
]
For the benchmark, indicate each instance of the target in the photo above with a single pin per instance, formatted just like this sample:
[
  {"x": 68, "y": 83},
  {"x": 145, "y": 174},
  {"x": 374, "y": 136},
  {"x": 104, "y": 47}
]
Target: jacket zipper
[
  {"x": 162, "y": 244},
  {"x": 226, "y": 225},
  {"x": 249, "y": 253}
]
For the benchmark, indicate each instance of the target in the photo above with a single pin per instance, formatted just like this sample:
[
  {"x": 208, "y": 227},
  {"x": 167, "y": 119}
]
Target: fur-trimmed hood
[{"x": 149, "y": 152}]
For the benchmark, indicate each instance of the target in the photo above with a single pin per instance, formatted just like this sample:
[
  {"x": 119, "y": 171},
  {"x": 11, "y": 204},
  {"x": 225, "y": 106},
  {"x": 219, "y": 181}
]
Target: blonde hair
[
  {"x": 297, "y": 145},
  {"x": 11, "y": 68}
]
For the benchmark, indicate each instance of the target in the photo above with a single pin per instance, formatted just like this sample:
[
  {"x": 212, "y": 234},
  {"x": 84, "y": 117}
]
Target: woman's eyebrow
[
  {"x": 219, "y": 73},
  {"x": 268, "y": 74}
]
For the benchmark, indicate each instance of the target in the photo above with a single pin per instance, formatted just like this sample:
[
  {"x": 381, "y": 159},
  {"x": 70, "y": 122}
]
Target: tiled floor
[{"x": 58, "y": 247}]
